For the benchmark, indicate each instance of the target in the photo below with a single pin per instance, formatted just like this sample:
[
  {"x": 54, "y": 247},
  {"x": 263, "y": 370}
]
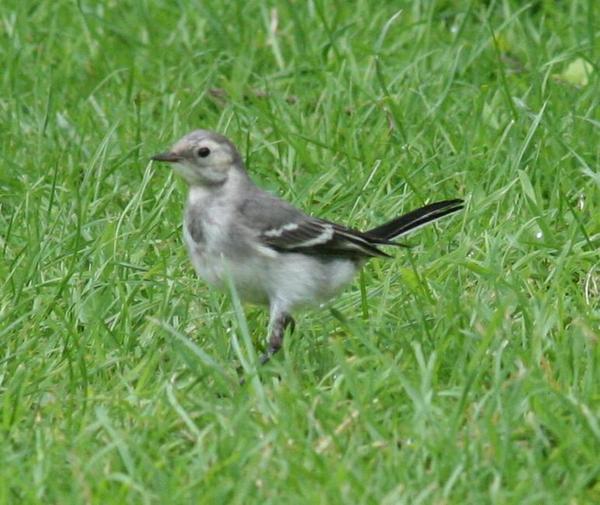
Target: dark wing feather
[
  {"x": 286, "y": 229},
  {"x": 315, "y": 236}
]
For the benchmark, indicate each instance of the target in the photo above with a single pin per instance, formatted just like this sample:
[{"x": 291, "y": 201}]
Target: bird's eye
[{"x": 203, "y": 152}]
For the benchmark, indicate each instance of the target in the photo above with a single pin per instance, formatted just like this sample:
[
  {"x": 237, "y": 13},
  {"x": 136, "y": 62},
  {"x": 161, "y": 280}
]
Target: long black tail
[{"x": 414, "y": 219}]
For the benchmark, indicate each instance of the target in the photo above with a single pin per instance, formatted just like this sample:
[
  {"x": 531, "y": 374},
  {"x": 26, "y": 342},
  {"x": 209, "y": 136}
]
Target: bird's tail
[{"x": 414, "y": 219}]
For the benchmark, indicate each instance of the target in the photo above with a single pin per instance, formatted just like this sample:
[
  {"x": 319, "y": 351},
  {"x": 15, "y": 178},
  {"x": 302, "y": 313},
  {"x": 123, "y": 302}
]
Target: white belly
[
  {"x": 263, "y": 276},
  {"x": 301, "y": 280}
]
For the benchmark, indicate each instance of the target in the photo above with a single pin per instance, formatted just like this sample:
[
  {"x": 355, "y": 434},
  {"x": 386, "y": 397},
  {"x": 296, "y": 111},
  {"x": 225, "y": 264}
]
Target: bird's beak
[{"x": 169, "y": 157}]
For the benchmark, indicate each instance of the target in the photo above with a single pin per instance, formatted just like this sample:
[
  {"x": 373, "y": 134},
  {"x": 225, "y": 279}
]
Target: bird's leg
[{"x": 279, "y": 323}]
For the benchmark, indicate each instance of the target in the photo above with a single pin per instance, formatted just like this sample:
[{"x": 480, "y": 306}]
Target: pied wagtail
[{"x": 275, "y": 254}]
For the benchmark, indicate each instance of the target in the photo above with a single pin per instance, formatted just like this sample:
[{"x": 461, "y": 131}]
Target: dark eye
[{"x": 203, "y": 152}]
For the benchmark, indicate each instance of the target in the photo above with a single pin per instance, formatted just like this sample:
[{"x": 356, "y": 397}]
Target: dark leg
[{"x": 278, "y": 326}]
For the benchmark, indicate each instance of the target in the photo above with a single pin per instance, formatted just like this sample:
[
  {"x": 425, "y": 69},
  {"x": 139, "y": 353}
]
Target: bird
[{"x": 275, "y": 254}]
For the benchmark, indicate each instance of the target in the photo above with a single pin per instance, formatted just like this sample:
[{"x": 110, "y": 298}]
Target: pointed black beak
[{"x": 169, "y": 157}]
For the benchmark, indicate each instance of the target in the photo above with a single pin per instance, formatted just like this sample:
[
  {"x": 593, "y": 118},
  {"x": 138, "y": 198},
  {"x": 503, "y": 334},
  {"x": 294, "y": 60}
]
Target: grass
[{"x": 465, "y": 370}]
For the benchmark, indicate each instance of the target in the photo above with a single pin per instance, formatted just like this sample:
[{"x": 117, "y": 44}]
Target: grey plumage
[{"x": 274, "y": 253}]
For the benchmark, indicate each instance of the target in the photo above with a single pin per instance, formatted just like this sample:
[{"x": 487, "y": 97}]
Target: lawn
[{"x": 465, "y": 370}]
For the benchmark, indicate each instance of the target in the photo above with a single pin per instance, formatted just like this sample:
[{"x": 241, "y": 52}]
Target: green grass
[{"x": 465, "y": 370}]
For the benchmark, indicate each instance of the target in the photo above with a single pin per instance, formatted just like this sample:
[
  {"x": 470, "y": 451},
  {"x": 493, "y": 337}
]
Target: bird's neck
[{"x": 233, "y": 186}]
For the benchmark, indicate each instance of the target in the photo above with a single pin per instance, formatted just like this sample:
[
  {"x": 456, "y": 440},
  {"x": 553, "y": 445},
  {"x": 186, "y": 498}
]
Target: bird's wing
[
  {"x": 285, "y": 229},
  {"x": 315, "y": 236}
]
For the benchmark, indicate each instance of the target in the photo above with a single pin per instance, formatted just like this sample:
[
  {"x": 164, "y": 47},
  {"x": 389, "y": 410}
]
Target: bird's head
[{"x": 203, "y": 158}]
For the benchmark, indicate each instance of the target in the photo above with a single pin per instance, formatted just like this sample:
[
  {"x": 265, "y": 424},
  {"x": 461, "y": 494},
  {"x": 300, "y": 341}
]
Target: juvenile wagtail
[{"x": 274, "y": 253}]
